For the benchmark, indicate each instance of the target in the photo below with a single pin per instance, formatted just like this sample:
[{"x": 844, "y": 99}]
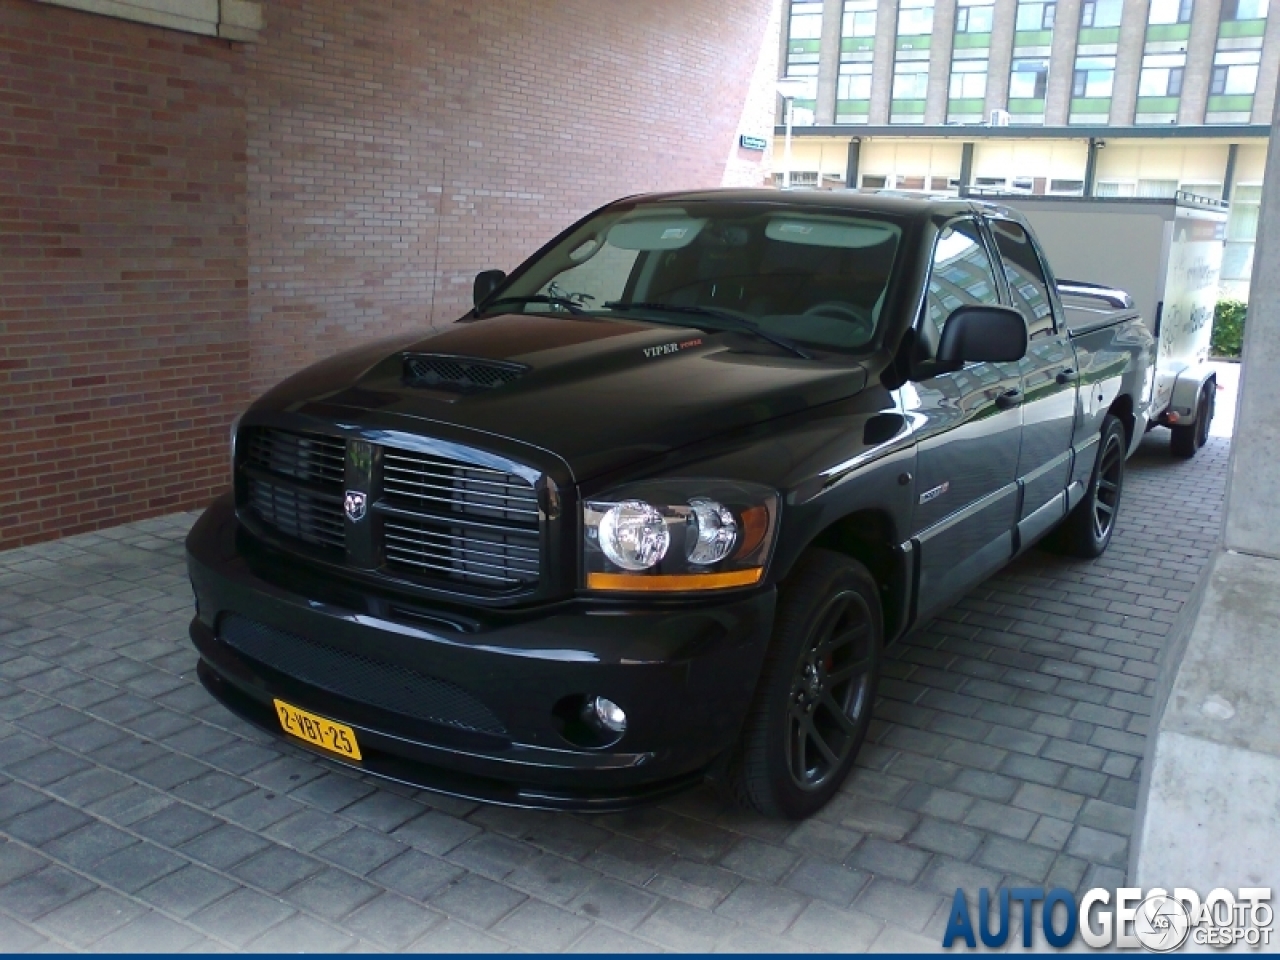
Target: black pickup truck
[{"x": 651, "y": 511}]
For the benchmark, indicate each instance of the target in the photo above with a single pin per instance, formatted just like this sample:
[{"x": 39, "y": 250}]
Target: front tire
[
  {"x": 816, "y": 690},
  {"x": 1088, "y": 528}
]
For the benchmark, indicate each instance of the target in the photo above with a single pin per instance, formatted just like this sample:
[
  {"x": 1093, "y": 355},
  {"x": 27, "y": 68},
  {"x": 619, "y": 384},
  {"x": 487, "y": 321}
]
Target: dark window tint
[
  {"x": 1026, "y": 277},
  {"x": 961, "y": 274}
]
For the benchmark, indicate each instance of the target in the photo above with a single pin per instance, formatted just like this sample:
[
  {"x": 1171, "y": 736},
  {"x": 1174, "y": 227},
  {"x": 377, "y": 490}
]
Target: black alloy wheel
[
  {"x": 817, "y": 685},
  {"x": 1106, "y": 494},
  {"x": 1088, "y": 528},
  {"x": 830, "y": 692}
]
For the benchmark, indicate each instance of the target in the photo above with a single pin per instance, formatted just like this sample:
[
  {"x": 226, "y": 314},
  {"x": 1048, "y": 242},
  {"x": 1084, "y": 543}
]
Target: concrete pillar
[
  {"x": 1268, "y": 71},
  {"x": 882, "y": 65},
  {"x": 944, "y": 30},
  {"x": 852, "y": 160},
  {"x": 1253, "y": 493},
  {"x": 828, "y": 61},
  {"x": 1200, "y": 48},
  {"x": 1207, "y": 811},
  {"x": 1001, "y": 56},
  {"x": 1229, "y": 174},
  {"x": 1062, "y": 63},
  {"x": 1133, "y": 37}
]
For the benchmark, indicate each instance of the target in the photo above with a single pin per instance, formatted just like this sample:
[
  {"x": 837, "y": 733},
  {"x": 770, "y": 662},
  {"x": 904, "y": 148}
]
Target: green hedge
[{"x": 1228, "y": 328}]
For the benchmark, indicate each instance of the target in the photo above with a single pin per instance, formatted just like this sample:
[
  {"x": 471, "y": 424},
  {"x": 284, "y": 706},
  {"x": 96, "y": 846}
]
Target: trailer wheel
[
  {"x": 1088, "y": 528},
  {"x": 1189, "y": 439}
]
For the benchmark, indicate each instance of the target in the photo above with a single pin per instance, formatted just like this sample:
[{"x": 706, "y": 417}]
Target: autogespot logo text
[{"x": 1156, "y": 919}]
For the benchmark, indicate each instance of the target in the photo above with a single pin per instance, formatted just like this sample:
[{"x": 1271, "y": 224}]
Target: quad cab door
[
  {"x": 1049, "y": 380},
  {"x": 968, "y": 425}
]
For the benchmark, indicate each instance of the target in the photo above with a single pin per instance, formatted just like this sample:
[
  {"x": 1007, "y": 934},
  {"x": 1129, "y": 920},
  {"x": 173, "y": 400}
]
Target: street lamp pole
[{"x": 789, "y": 88}]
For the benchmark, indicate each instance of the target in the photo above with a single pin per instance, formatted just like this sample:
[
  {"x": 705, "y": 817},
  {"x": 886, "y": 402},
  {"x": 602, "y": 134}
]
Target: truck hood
[{"x": 600, "y": 393}]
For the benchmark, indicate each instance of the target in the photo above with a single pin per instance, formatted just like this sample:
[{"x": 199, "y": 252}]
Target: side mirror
[
  {"x": 486, "y": 282},
  {"x": 982, "y": 334}
]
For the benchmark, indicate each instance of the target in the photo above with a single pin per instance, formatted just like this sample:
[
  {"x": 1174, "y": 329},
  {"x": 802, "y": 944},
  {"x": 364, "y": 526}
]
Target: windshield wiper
[
  {"x": 567, "y": 304},
  {"x": 732, "y": 319}
]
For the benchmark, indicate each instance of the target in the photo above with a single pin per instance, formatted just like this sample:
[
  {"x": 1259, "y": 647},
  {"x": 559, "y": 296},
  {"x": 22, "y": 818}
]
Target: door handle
[
  {"x": 1009, "y": 399},
  {"x": 1067, "y": 376}
]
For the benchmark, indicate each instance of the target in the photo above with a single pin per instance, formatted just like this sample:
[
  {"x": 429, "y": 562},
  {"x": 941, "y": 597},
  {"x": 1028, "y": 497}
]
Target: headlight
[{"x": 678, "y": 535}]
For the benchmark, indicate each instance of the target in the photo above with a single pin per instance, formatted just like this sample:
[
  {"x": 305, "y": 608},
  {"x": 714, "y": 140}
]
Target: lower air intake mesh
[{"x": 387, "y": 686}]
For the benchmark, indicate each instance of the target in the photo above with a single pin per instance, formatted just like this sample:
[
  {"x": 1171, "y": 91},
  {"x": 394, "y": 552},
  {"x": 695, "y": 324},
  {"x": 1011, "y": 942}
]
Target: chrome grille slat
[
  {"x": 451, "y": 542},
  {"x": 298, "y": 514},
  {"x": 511, "y": 558},
  {"x": 433, "y": 486}
]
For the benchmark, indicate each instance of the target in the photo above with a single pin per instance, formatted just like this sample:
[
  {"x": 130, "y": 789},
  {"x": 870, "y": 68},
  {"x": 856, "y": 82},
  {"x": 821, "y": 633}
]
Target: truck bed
[{"x": 1090, "y": 307}]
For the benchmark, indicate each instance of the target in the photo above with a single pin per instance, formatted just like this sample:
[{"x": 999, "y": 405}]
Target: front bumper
[{"x": 684, "y": 674}]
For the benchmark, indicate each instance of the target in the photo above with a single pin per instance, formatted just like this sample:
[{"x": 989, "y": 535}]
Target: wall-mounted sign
[{"x": 752, "y": 143}]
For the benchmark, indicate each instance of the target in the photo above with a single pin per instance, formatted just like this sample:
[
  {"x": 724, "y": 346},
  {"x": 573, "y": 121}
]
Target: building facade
[{"x": 1073, "y": 97}]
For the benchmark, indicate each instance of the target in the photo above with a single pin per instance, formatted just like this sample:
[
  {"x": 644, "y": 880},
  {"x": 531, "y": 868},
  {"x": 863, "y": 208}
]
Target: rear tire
[
  {"x": 1088, "y": 528},
  {"x": 813, "y": 702},
  {"x": 1186, "y": 441}
]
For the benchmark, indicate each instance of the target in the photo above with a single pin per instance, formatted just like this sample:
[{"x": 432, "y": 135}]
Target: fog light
[{"x": 606, "y": 714}]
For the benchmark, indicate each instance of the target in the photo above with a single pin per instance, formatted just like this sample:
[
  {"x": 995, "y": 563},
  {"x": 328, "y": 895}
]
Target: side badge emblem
[
  {"x": 354, "y": 505},
  {"x": 936, "y": 492}
]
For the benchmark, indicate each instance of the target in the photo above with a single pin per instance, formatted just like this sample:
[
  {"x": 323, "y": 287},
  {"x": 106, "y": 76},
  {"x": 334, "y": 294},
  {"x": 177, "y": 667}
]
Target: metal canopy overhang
[{"x": 1229, "y": 132}]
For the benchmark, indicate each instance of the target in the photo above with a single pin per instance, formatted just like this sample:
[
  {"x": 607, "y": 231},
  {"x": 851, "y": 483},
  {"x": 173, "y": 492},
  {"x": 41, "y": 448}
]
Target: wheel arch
[{"x": 870, "y": 536}]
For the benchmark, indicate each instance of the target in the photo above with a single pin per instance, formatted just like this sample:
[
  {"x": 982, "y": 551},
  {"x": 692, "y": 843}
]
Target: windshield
[{"x": 817, "y": 278}]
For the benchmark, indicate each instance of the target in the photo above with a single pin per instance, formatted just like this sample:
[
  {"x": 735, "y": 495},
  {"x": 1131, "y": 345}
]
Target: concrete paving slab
[{"x": 1007, "y": 745}]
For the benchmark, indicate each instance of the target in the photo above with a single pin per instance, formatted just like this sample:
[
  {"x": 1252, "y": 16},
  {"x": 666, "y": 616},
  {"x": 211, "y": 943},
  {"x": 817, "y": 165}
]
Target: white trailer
[{"x": 1164, "y": 254}]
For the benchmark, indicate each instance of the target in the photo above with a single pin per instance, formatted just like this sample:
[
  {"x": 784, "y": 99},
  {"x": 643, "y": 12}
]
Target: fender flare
[{"x": 1186, "y": 391}]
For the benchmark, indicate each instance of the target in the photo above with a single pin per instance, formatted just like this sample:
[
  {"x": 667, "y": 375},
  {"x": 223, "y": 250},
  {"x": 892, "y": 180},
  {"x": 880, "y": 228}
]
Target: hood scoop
[{"x": 438, "y": 371}]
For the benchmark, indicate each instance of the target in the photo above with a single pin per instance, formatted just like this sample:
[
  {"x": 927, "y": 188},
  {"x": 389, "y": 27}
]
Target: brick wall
[
  {"x": 396, "y": 147},
  {"x": 122, "y": 269},
  {"x": 183, "y": 222}
]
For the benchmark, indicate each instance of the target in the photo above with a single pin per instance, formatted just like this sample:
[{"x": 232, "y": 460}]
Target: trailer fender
[{"x": 1186, "y": 392}]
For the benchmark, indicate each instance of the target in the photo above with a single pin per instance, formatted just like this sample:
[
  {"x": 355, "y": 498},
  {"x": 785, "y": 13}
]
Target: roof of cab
[{"x": 869, "y": 201}]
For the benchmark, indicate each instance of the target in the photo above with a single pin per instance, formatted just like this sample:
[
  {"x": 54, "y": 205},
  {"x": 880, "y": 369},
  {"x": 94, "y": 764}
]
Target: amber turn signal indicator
[{"x": 640, "y": 582}]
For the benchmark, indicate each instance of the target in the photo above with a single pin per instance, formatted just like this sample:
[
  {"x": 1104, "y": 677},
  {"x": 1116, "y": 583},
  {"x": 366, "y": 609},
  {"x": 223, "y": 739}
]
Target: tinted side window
[
  {"x": 960, "y": 274},
  {"x": 1026, "y": 278}
]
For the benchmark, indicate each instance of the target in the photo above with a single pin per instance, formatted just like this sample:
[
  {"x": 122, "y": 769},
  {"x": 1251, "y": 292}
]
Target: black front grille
[
  {"x": 358, "y": 677},
  {"x": 436, "y": 520},
  {"x": 298, "y": 513},
  {"x": 459, "y": 373}
]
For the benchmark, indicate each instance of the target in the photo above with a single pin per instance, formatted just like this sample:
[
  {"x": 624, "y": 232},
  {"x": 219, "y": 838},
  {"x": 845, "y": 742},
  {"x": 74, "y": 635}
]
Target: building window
[
  {"x": 1235, "y": 73},
  {"x": 1028, "y": 79},
  {"x": 1211, "y": 190},
  {"x": 910, "y": 80},
  {"x": 915, "y": 18},
  {"x": 968, "y": 79},
  {"x": 1094, "y": 77},
  {"x": 1067, "y": 188},
  {"x": 1170, "y": 11},
  {"x": 854, "y": 82},
  {"x": 1114, "y": 188},
  {"x": 859, "y": 19},
  {"x": 1244, "y": 9},
  {"x": 1035, "y": 16},
  {"x": 1242, "y": 231},
  {"x": 1162, "y": 75},
  {"x": 1101, "y": 13},
  {"x": 974, "y": 16},
  {"x": 804, "y": 32},
  {"x": 873, "y": 181}
]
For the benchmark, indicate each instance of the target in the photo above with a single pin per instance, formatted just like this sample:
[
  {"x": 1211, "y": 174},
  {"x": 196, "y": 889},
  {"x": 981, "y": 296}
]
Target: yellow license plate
[{"x": 335, "y": 737}]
